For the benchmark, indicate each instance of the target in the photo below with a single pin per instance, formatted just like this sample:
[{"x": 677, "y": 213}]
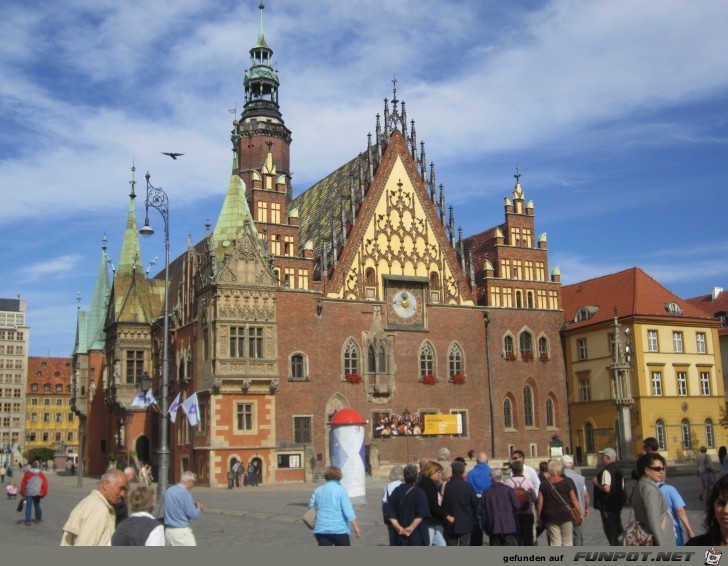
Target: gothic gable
[{"x": 398, "y": 234}]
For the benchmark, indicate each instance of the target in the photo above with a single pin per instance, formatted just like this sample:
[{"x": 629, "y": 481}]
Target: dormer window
[
  {"x": 673, "y": 308},
  {"x": 585, "y": 313}
]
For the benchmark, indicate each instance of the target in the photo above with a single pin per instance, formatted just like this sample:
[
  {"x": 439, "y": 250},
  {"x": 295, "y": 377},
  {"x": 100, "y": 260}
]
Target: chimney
[{"x": 716, "y": 291}]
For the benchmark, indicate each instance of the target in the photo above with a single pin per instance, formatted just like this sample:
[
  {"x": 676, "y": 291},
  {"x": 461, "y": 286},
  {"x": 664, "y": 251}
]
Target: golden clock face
[{"x": 405, "y": 307}]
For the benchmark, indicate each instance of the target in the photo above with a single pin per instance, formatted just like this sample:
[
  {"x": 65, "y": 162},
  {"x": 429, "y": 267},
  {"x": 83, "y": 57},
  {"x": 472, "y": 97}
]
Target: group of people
[
  {"x": 658, "y": 508},
  {"x": 112, "y": 515},
  {"x": 249, "y": 473}
]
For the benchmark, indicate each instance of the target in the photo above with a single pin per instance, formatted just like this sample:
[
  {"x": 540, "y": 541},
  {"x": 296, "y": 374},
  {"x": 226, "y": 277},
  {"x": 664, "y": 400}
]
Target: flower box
[
  {"x": 428, "y": 379},
  {"x": 510, "y": 357},
  {"x": 544, "y": 357},
  {"x": 457, "y": 379},
  {"x": 527, "y": 356},
  {"x": 353, "y": 377}
]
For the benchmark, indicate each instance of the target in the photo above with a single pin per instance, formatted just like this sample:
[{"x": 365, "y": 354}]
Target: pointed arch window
[
  {"x": 298, "y": 367},
  {"x": 529, "y": 299},
  {"x": 526, "y": 346},
  {"x": 434, "y": 281},
  {"x": 507, "y": 413},
  {"x": 543, "y": 348},
  {"x": 382, "y": 360},
  {"x": 427, "y": 359},
  {"x": 508, "y": 351},
  {"x": 660, "y": 434},
  {"x": 351, "y": 358},
  {"x": 528, "y": 412},
  {"x": 589, "y": 438},
  {"x": 455, "y": 361},
  {"x": 519, "y": 300},
  {"x": 371, "y": 278},
  {"x": 371, "y": 360},
  {"x": 550, "y": 413},
  {"x": 686, "y": 434}
]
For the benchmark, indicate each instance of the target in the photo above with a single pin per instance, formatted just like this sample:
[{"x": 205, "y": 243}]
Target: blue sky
[{"x": 614, "y": 111}]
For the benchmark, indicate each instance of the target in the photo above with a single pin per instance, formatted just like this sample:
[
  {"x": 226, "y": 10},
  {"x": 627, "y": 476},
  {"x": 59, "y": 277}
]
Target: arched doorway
[
  {"x": 258, "y": 463},
  {"x": 143, "y": 450}
]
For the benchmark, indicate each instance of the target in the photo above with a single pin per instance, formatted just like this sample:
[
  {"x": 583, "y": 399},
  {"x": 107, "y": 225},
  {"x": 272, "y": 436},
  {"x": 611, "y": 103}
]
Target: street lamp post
[{"x": 157, "y": 199}]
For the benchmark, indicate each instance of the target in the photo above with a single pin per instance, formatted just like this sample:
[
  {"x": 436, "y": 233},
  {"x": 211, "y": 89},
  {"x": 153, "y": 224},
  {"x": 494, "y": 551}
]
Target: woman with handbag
[
  {"x": 558, "y": 506},
  {"x": 649, "y": 505},
  {"x": 334, "y": 511}
]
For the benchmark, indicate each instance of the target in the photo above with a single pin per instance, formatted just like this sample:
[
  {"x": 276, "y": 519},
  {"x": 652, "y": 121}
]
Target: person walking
[
  {"x": 462, "y": 507},
  {"x": 140, "y": 528},
  {"x": 479, "y": 478},
  {"x": 121, "y": 509},
  {"x": 33, "y": 488},
  {"x": 334, "y": 512},
  {"x": 179, "y": 510},
  {"x": 649, "y": 505},
  {"x": 609, "y": 496},
  {"x": 499, "y": 511},
  {"x": 408, "y": 510},
  {"x": 556, "y": 497},
  {"x": 429, "y": 482},
  {"x": 3, "y": 471},
  {"x": 92, "y": 521},
  {"x": 582, "y": 494},
  {"x": 705, "y": 471}
]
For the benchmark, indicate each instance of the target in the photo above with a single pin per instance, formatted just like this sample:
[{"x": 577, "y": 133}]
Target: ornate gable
[{"x": 399, "y": 235}]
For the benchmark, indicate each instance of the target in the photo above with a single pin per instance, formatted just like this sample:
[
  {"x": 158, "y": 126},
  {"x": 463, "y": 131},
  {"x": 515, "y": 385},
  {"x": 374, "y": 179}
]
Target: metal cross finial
[
  {"x": 517, "y": 175},
  {"x": 78, "y": 299},
  {"x": 394, "y": 88}
]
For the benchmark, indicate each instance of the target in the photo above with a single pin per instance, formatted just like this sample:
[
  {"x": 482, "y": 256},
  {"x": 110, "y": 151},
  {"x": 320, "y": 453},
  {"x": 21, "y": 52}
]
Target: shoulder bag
[
  {"x": 576, "y": 517},
  {"x": 309, "y": 517}
]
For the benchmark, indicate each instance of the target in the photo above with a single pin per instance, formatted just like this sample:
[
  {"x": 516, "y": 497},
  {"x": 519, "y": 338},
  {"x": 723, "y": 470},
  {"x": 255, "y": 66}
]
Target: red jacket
[{"x": 29, "y": 474}]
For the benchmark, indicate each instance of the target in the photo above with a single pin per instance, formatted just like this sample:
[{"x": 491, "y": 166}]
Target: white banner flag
[
  {"x": 192, "y": 408},
  {"x": 140, "y": 401},
  {"x": 173, "y": 408},
  {"x": 149, "y": 398}
]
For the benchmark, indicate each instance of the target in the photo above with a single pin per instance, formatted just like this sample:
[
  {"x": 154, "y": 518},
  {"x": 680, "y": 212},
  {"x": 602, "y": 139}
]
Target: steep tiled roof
[
  {"x": 322, "y": 202},
  {"x": 713, "y": 307},
  {"x": 633, "y": 292},
  {"x": 52, "y": 371}
]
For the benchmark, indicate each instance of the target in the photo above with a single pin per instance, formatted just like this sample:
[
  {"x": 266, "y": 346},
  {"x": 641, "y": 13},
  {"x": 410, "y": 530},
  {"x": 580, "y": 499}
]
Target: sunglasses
[{"x": 656, "y": 468}]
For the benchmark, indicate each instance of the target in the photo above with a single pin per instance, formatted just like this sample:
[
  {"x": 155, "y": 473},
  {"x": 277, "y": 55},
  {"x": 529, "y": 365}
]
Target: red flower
[
  {"x": 353, "y": 377},
  {"x": 457, "y": 379},
  {"x": 428, "y": 379}
]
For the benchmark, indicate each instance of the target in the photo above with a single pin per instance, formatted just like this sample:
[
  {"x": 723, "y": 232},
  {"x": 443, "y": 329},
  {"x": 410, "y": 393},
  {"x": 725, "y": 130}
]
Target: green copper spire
[
  {"x": 131, "y": 256},
  {"x": 261, "y": 80},
  {"x": 235, "y": 218},
  {"x": 96, "y": 315}
]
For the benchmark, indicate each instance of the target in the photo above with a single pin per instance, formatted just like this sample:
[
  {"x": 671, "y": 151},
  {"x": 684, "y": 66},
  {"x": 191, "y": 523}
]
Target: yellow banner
[{"x": 443, "y": 424}]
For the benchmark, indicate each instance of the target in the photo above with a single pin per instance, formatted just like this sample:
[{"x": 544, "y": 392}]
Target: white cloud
[{"x": 48, "y": 269}]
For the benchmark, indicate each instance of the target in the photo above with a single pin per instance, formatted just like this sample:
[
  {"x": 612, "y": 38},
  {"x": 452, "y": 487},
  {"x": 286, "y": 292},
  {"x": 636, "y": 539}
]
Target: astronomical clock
[{"x": 405, "y": 303}]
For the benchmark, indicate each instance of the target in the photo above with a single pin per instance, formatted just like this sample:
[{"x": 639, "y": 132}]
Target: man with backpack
[
  {"x": 609, "y": 496},
  {"x": 33, "y": 487}
]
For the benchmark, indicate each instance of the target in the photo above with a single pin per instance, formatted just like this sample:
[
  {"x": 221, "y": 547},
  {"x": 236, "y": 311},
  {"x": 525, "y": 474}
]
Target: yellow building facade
[
  {"x": 50, "y": 422},
  {"x": 671, "y": 388}
]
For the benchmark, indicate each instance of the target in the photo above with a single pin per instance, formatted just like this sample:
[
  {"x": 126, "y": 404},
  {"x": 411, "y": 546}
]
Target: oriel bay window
[
  {"x": 134, "y": 365},
  {"x": 250, "y": 335}
]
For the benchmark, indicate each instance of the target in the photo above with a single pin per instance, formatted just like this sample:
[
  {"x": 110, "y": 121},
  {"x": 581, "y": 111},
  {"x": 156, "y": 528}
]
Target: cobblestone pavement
[{"x": 268, "y": 515}]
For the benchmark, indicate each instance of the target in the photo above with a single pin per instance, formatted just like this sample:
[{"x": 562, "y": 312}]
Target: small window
[
  {"x": 508, "y": 348},
  {"x": 302, "y": 430},
  {"x": 297, "y": 368},
  {"x": 526, "y": 346},
  {"x": 704, "y": 383},
  {"x": 507, "y": 414},
  {"x": 709, "y": 434},
  {"x": 589, "y": 438},
  {"x": 585, "y": 388},
  {"x": 245, "y": 416},
  {"x": 657, "y": 383},
  {"x": 47, "y": 387},
  {"x": 582, "y": 348},
  {"x": 351, "y": 358},
  {"x": 677, "y": 342},
  {"x": 682, "y": 383},
  {"x": 455, "y": 361},
  {"x": 686, "y": 433},
  {"x": 34, "y": 387},
  {"x": 543, "y": 349},
  {"x": 652, "y": 343},
  {"x": 427, "y": 360},
  {"x": 463, "y": 422},
  {"x": 673, "y": 308},
  {"x": 528, "y": 412},
  {"x": 700, "y": 340},
  {"x": 550, "y": 413},
  {"x": 660, "y": 434}
]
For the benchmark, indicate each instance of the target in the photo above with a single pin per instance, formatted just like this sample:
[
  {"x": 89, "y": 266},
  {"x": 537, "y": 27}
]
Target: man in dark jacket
[
  {"x": 609, "y": 496},
  {"x": 462, "y": 506}
]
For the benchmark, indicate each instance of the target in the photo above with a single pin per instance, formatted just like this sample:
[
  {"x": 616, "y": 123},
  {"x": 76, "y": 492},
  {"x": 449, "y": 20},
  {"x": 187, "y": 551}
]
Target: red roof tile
[
  {"x": 633, "y": 292},
  {"x": 53, "y": 371}
]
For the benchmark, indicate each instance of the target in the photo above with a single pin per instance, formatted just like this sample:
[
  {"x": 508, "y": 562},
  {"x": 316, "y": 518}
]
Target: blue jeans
[
  {"x": 333, "y": 540},
  {"x": 437, "y": 538},
  {"x": 35, "y": 500}
]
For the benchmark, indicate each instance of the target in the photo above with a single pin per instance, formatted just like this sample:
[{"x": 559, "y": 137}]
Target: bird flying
[{"x": 172, "y": 154}]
